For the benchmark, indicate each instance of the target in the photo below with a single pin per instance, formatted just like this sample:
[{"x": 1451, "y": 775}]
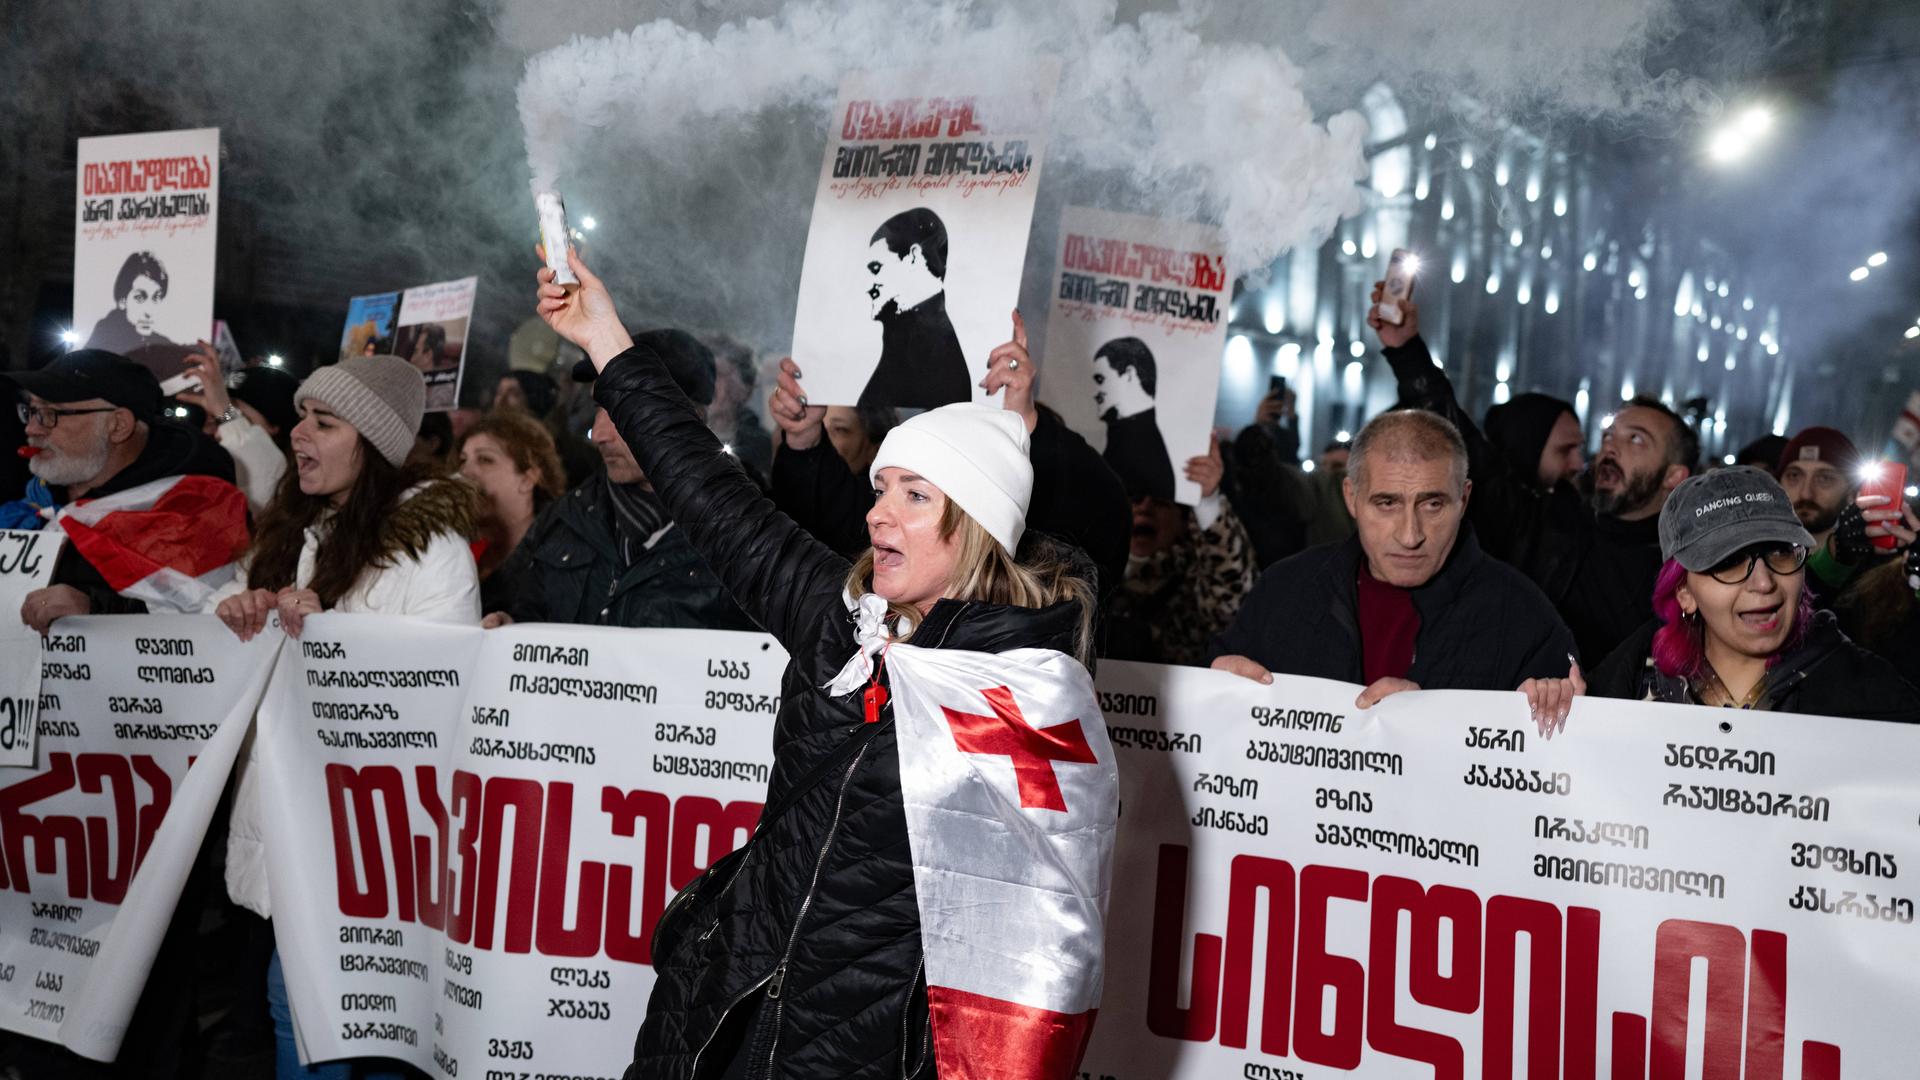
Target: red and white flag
[
  {"x": 171, "y": 543},
  {"x": 1012, "y": 797}
]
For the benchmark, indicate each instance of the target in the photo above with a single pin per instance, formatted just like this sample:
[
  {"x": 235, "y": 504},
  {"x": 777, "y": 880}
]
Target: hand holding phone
[
  {"x": 1402, "y": 267},
  {"x": 1888, "y": 480}
]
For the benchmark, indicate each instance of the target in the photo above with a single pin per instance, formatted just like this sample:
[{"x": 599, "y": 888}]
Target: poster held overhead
[
  {"x": 145, "y": 228},
  {"x": 369, "y": 330},
  {"x": 429, "y": 331},
  {"x": 1134, "y": 343},
  {"x": 919, "y": 234}
]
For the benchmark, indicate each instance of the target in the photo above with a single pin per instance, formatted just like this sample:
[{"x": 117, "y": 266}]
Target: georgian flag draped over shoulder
[
  {"x": 171, "y": 543},
  {"x": 1011, "y": 798}
]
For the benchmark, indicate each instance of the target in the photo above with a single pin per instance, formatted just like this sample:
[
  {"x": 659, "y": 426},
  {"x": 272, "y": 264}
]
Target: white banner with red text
[
  {"x": 1430, "y": 890},
  {"x": 474, "y": 833},
  {"x": 140, "y": 718}
]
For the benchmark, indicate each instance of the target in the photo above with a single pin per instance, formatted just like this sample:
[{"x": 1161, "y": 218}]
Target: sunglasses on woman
[{"x": 1782, "y": 559}]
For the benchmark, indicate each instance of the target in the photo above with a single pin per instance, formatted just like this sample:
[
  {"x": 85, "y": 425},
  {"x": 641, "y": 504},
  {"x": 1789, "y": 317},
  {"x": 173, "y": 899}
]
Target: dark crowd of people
[{"x": 1436, "y": 549}]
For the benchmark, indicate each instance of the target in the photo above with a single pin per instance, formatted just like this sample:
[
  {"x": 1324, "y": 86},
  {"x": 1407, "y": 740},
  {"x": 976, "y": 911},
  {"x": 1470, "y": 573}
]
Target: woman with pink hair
[{"x": 1735, "y": 622}]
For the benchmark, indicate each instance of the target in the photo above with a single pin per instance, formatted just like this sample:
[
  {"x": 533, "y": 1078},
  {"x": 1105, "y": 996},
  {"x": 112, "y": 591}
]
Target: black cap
[
  {"x": 688, "y": 361},
  {"x": 1714, "y": 515},
  {"x": 85, "y": 374},
  {"x": 269, "y": 390}
]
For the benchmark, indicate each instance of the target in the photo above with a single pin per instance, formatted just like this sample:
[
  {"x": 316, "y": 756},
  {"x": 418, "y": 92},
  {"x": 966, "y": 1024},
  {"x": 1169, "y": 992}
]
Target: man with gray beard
[
  {"x": 1596, "y": 557},
  {"x": 93, "y": 427}
]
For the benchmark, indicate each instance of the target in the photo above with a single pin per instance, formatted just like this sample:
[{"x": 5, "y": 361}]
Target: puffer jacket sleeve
[
  {"x": 444, "y": 585},
  {"x": 779, "y": 574}
]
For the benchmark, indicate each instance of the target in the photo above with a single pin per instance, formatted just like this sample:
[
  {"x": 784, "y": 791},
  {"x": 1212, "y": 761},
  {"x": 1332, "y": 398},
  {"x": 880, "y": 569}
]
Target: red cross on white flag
[{"x": 1011, "y": 799}]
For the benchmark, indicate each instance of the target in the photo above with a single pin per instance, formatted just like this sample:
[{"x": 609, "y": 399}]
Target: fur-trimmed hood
[{"x": 426, "y": 511}]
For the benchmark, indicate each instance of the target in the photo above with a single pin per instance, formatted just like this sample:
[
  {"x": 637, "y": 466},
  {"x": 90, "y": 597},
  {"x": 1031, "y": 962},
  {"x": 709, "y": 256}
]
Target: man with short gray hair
[{"x": 1410, "y": 601}]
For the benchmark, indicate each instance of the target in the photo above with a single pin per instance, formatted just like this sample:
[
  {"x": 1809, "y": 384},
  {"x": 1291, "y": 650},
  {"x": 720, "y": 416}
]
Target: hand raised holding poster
[
  {"x": 919, "y": 235},
  {"x": 1135, "y": 341}
]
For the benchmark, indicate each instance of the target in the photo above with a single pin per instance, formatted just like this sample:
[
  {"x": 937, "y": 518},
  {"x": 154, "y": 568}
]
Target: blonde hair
[{"x": 984, "y": 571}]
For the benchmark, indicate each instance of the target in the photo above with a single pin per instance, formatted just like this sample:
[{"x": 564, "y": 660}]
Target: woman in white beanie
[
  {"x": 351, "y": 528},
  {"x": 800, "y": 955}
]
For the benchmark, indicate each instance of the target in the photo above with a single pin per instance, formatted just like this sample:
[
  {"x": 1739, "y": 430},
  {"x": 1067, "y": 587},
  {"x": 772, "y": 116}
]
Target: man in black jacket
[
  {"x": 1409, "y": 602},
  {"x": 608, "y": 554},
  {"x": 94, "y": 418},
  {"x": 1595, "y": 558},
  {"x": 921, "y": 365}
]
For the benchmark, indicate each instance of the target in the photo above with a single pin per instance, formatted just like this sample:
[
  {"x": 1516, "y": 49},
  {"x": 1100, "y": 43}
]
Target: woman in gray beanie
[{"x": 352, "y": 528}]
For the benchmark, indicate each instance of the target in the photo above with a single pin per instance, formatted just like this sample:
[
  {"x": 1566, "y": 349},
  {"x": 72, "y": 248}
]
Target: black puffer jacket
[
  {"x": 799, "y": 955},
  {"x": 1827, "y": 675}
]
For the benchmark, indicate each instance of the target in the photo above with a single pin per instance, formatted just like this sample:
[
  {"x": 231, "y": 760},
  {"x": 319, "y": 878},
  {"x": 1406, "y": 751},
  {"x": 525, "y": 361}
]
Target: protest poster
[
  {"x": 1429, "y": 889},
  {"x": 145, "y": 228},
  {"x": 919, "y": 234},
  {"x": 430, "y": 331},
  {"x": 1134, "y": 340},
  {"x": 369, "y": 330},
  {"x": 482, "y": 828},
  {"x": 26, "y": 564},
  {"x": 227, "y": 348},
  {"x": 140, "y": 718}
]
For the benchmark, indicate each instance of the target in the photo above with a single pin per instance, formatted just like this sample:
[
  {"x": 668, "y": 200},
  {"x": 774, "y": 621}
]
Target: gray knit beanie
[{"x": 383, "y": 397}]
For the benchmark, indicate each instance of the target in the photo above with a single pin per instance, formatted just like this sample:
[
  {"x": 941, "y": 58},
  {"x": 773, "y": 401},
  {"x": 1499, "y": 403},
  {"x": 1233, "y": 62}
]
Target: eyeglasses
[
  {"x": 1784, "y": 561},
  {"x": 49, "y": 417}
]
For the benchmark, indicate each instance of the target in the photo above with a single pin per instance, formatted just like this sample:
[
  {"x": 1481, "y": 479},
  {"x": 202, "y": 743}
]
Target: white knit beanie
[
  {"x": 383, "y": 397},
  {"x": 976, "y": 455}
]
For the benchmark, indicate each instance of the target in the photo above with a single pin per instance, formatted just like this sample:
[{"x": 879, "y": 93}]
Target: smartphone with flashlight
[
  {"x": 1888, "y": 479},
  {"x": 1402, "y": 267},
  {"x": 1277, "y": 386}
]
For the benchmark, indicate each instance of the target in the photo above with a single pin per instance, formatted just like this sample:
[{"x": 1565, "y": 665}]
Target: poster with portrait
[
  {"x": 1134, "y": 341},
  {"x": 430, "y": 331},
  {"x": 919, "y": 234},
  {"x": 145, "y": 223},
  {"x": 369, "y": 329}
]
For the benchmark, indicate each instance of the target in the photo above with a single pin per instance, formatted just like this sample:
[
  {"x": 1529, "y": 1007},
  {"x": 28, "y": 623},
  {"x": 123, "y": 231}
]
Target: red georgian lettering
[
  {"x": 553, "y": 938},
  {"x": 1507, "y": 918},
  {"x": 1629, "y": 1047},
  {"x": 1582, "y": 993},
  {"x": 1319, "y": 969},
  {"x": 375, "y": 785},
  {"x": 627, "y": 809},
  {"x": 17, "y": 827},
  {"x": 430, "y": 851},
  {"x": 727, "y": 827},
  {"x": 466, "y": 806},
  {"x": 505, "y": 793},
  {"x": 1767, "y": 1007},
  {"x": 1165, "y": 1017},
  {"x": 96, "y": 772},
  {"x": 1677, "y": 944},
  {"x": 1251, "y": 875},
  {"x": 1457, "y": 991}
]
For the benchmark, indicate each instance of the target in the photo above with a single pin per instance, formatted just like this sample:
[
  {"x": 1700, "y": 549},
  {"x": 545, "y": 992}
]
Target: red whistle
[{"x": 28, "y": 451}]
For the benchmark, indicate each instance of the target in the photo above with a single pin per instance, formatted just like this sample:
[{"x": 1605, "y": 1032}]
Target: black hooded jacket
[
  {"x": 800, "y": 954},
  {"x": 1826, "y": 675},
  {"x": 1482, "y": 625},
  {"x": 172, "y": 450},
  {"x": 1597, "y": 569}
]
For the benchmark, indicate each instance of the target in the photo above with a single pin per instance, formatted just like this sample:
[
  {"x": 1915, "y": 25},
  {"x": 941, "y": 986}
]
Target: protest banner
[
  {"x": 145, "y": 226},
  {"x": 479, "y": 838},
  {"x": 474, "y": 833},
  {"x": 139, "y": 722},
  {"x": 1134, "y": 340},
  {"x": 919, "y": 234},
  {"x": 26, "y": 564},
  {"x": 1429, "y": 889}
]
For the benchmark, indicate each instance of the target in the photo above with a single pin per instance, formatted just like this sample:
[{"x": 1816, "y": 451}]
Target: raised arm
[{"x": 783, "y": 578}]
